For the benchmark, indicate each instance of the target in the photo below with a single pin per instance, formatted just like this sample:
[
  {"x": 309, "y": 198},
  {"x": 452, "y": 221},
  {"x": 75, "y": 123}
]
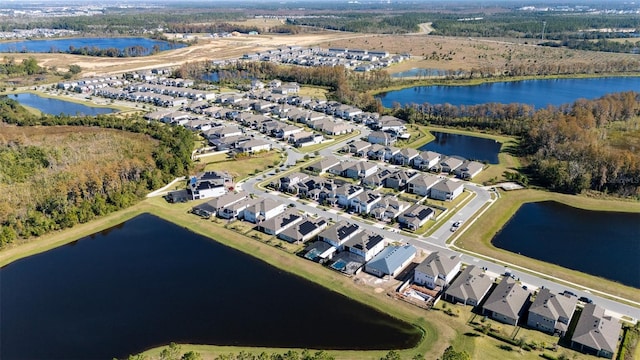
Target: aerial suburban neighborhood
[{"x": 319, "y": 180}]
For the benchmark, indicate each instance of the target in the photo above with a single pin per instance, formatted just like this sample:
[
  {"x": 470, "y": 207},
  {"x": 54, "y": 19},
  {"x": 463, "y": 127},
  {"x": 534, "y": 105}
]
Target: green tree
[
  {"x": 172, "y": 352},
  {"x": 191, "y": 355},
  {"x": 451, "y": 354}
]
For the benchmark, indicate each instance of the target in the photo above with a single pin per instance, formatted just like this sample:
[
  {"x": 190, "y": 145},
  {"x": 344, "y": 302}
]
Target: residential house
[
  {"x": 390, "y": 153},
  {"x": 365, "y": 244},
  {"x": 405, "y": 157},
  {"x": 437, "y": 270},
  {"x": 399, "y": 179},
  {"x": 596, "y": 333},
  {"x": 361, "y": 169},
  {"x": 225, "y": 131},
  {"x": 304, "y": 230},
  {"x": 507, "y": 302},
  {"x": 551, "y": 312},
  {"x": 422, "y": 184},
  {"x": 338, "y": 234},
  {"x": 415, "y": 216},
  {"x": 359, "y": 147},
  {"x": 389, "y": 207},
  {"x": 236, "y": 210},
  {"x": 469, "y": 169},
  {"x": 264, "y": 209},
  {"x": 381, "y": 138},
  {"x": 215, "y": 205},
  {"x": 280, "y": 222},
  {"x": 391, "y": 123},
  {"x": 209, "y": 184},
  {"x": 375, "y": 152},
  {"x": 427, "y": 160},
  {"x": 322, "y": 165},
  {"x": 284, "y": 132},
  {"x": 446, "y": 190},
  {"x": 391, "y": 260},
  {"x": 470, "y": 287},
  {"x": 288, "y": 182},
  {"x": 377, "y": 179},
  {"x": 364, "y": 202},
  {"x": 450, "y": 163},
  {"x": 344, "y": 193},
  {"x": 253, "y": 146}
]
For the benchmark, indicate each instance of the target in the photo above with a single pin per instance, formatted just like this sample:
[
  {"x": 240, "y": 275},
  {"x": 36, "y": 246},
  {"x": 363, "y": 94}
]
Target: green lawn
[{"x": 243, "y": 167}]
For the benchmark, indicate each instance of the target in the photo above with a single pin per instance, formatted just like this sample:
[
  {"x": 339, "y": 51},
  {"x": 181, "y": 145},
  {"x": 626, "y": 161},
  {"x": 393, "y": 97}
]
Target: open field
[
  {"x": 453, "y": 53},
  {"x": 478, "y": 237},
  {"x": 241, "y": 168}
]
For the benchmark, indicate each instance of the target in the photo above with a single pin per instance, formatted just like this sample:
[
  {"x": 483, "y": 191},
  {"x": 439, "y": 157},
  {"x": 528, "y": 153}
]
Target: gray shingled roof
[
  {"x": 472, "y": 283},
  {"x": 553, "y": 306},
  {"x": 435, "y": 265},
  {"x": 596, "y": 330},
  {"x": 507, "y": 298}
]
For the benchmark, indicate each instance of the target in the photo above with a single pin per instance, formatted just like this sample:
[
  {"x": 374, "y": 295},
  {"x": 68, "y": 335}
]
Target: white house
[
  {"x": 265, "y": 209},
  {"x": 436, "y": 270},
  {"x": 446, "y": 190},
  {"x": 365, "y": 244}
]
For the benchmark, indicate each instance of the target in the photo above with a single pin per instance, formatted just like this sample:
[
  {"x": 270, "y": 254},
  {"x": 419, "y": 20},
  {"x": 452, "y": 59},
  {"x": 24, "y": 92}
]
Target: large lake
[
  {"x": 539, "y": 93},
  {"x": 58, "y": 107},
  {"x": 64, "y": 45},
  {"x": 148, "y": 282},
  {"x": 469, "y": 147},
  {"x": 599, "y": 243}
]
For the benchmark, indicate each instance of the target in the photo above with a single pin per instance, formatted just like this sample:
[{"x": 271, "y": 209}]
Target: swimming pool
[{"x": 339, "y": 265}]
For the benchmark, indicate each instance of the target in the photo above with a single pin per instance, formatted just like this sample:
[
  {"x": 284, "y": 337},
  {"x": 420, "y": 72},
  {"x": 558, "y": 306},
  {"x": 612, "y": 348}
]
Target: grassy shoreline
[
  {"x": 437, "y": 331},
  {"x": 479, "y": 235}
]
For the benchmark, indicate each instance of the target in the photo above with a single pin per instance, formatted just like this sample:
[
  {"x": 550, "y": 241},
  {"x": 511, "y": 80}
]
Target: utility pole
[{"x": 544, "y": 24}]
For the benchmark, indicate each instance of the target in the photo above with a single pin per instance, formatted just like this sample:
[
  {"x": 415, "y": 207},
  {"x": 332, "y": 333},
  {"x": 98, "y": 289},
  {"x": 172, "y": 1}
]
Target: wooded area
[
  {"x": 570, "y": 148},
  {"x": 86, "y": 167}
]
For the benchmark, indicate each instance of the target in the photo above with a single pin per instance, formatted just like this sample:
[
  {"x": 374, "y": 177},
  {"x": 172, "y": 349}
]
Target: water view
[
  {"x": 599, "y": 243},
  {"x": 538, "y": 93},
  {"x": 127, "y": 46},
  {"x": 149, "y": 282},
  {"x": 469, "y": 147},
  {"x": 59, "y": 107}
]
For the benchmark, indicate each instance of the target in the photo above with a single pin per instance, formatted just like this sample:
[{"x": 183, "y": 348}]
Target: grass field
[{"x": 241, "y": 168}]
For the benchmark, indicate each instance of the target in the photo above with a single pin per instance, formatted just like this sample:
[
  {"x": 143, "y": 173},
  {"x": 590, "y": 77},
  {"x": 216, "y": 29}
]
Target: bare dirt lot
[{"x": 207, "y": 48}]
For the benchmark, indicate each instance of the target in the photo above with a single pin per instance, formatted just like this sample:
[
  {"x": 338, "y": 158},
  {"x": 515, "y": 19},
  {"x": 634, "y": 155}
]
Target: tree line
[
  {"x": 569, "y": 148},
  {"x": 52, "y": 200}
]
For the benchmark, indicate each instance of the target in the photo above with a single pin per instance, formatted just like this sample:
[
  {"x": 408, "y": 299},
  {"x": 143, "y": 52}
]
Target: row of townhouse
[
  {"x": 225, "y": 137},
  {"x": 383, "y": 207},
  {"x": 373, "y": 175},
  {"x": 90, "y": 84},
  {"x": 175, "y": 91},
  {"x": 509, "y": 302},
  {"x": 378, "y": 147},
  {"x": 365, "y": 248}
]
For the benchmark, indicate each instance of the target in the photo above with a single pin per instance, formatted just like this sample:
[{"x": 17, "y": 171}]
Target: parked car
[
  {"x": 585, "y": 300},
  {"x": 567, "y": 292}
]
